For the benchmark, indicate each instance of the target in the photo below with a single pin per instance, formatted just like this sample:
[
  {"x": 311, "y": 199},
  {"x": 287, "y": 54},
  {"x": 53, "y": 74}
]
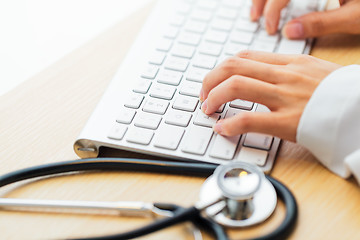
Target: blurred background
[{"x": 36, "y": 33}]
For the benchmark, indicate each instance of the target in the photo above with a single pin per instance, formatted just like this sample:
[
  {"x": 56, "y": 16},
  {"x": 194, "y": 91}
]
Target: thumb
[{"x": 341, "y": 20}]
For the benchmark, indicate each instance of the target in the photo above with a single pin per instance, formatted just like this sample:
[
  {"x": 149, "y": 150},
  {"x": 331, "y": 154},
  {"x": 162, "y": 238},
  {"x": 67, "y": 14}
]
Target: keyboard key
[
  {"x": 171, "y": 32},
  {"x": 204, "y": 120},
  {"x": 201, "y": 15},
  {"x": 147, "y": 120},
  {"x": 139, "y": 135},
  {"x": 263, "y": 46},
  {"x": 242, "y": 37},
  {"x": 245, "y": 13},
  {"x": 264, "y": 36},
  {"x": 242, "y": 104},
  {"x": 207, "y": 4},
  {"x": 169, "y": 77},
  {"x": 178, "y": 118},
  {"x": 196, "y": 140},
  {"x": 183, "y": 50},
  {"x": 163, "y": 91},
  {"x": 224, "y": 147},
  {"x": 142, "y": 86},
  {"x": 189, "y": 38},
  {"x": 126, "y": 116},
  {"x": 232, "y": 3},
  {"x": 287, "y": 46},
  {"x": 150, "y": 71},
  {"x": 195, "y": 26},
  {"x": 209, "y": 48},
  {"x": 196, "y": 74},
  {"x": 178, "y": 20},
  {"x": 183, "y": 8},
  {"x": 228, "y": 13},
  {"x": 253, "y": 155},
  {"x": 117, "y": 132},
  {"x": 258, "y": 140},
  {"x": 185, "y": 103},
  {"x": 262, "y": 108},
  {"x": 204, "y": 61},
  {"x": 134, "y": 101},
  {"x": 191, "y": 89},
  {"x": 233, "y": 112},
  {"x": 234, "y": 48},
  {"x": 222, "y": 24},
  {"x": 153, "y": 105},
  {"x": 164, "y": 44},
  {"x": 157, "y": 58},
  {"x": 221, "y": 108},
  {"x": 216, "y": 36},
  {"x": 247, "y": 25},
  {"x": 177, "y": 64},
  {"x": 168, "y": 137}
]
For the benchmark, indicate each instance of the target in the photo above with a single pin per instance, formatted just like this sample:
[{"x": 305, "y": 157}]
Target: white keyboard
[{"x": 152, "y": 105}]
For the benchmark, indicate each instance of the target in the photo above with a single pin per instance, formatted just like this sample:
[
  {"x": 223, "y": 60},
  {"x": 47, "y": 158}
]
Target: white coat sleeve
[{"x": 330, "y": 124}]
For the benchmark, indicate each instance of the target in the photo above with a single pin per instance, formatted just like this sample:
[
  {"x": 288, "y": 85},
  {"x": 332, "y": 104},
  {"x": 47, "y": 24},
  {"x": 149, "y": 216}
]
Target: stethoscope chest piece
[{"x": 248, "y": 198}]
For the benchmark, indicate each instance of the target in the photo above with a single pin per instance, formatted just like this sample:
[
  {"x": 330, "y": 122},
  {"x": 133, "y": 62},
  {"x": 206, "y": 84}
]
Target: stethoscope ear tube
[{"x": 168, "y": 167}]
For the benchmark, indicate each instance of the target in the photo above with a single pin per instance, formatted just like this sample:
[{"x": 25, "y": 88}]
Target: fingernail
[
  {"x": 253, "y": 14},
  {"x": 218, "y": 127},
  {"x": 293, "y": 30},
  {"x": 269, "y": 26},
  {"x": 201, "y": 95},
  {"x": 204, "y": 106}
]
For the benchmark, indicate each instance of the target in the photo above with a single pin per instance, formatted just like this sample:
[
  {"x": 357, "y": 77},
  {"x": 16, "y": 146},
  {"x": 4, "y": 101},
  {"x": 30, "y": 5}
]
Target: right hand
[{"x": 345, "y": 19}]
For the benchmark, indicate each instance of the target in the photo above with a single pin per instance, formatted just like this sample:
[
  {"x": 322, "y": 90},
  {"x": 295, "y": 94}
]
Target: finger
[
  {"x": 267, "y": 57},
  {"x": 272, "y": 13},
  {"x": 257, "y": 9},
  {"x": 342, "y": 20},
  {"x": 244, "y": 122},
  {"x": 240, "y": 87},
  {"x": 238, "y": 66}
]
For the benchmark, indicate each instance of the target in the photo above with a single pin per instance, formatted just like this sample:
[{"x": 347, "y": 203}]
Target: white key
[
  {"x": 171, "y": 32},
  {"x": 183, "y": 50},
  {"x": 168, "y": 137},
  {"x": 216, "y": 36},
  {"x": 242, "y": 37},
  {"x": 163, "y": 91},
  {"x": 207, "y": 4},
  {"x": 157, "y": 106},
  {"x": 201, "y": 14},
  {"x": 157, "y": 58},
  {"x": 178, "y": 118},
  {"x": 209, "y": 48},
  {"x": 185, "y": 103},
  {"x": 134, "y": 101},
  {"x": 117, "y": 132},
  {"x": 126, "y": 116},
  {"x": 142, "y": 86},
  {"x": 221, "y": 108},
  {"x": 263, "y": 46},
  {"x": 178, "y": 20},
  {"x": 234, "y": 48},
  {"x": 183, "y": 8},
  {"x": 242, "y": 104},
  {"x": 164, "y": 44},
  {"x": 189, "y": 38},
  {"x": 204, "y": 61},
  {"x": 233, "y": 112},
  {"x": 258, "y": 140},
  {"x": 247, "y": 25},
  {"x": 253, "y": 155},
  {"x": 196, "y": 74},
  {"x": 139, "y": 135},
  {"x": 177, "y": 64},
  {"x": 224, "y": 147},
  {"x": 169, "y": 77},
  {"x": 196, "y": 140},
  {"x": 287, "y": 46},
  {"x": 204, "y": 120},
  {"x": 195, "y": 26},
  {"x": 228, "y": 13},
  {"x": 222, "y": 24},
  {"x": 264, "y": 36},
  {"x": 232, "y": 3},
  {"x": 147, "y": 120},
  {"x": 189, "y": 88},
  {"x": 262, "y": 108},
  {"x": 245, "y": 13},
  {"x": 150, "y": 71}
]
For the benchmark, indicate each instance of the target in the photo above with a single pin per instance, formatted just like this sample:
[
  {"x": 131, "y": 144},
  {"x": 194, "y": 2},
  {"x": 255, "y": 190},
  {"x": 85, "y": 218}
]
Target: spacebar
[{"x": 196, "y": 140}]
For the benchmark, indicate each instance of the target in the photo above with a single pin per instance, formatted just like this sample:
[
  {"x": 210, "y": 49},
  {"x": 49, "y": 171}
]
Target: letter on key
[{"x": 196, "y": 140}]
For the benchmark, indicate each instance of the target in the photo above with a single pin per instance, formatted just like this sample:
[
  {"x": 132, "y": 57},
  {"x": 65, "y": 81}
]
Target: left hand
[{"x": 283, "y": 83}]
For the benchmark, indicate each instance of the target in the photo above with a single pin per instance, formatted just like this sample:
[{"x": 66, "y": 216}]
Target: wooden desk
[{"x": 41, "y": 119}]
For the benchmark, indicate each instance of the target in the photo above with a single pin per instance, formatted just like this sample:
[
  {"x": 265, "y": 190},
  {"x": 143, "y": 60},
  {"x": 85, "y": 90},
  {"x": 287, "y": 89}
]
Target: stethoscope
[{"x": 236, "y": 194}]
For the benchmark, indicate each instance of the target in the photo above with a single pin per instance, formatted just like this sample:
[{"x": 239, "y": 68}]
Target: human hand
[
  {"x": 345, "y": 19},
  {"x": 283, "y": 83}
]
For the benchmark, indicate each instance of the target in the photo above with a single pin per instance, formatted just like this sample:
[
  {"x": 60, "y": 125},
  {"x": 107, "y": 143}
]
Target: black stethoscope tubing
[{"x": 170, "y": 167}]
